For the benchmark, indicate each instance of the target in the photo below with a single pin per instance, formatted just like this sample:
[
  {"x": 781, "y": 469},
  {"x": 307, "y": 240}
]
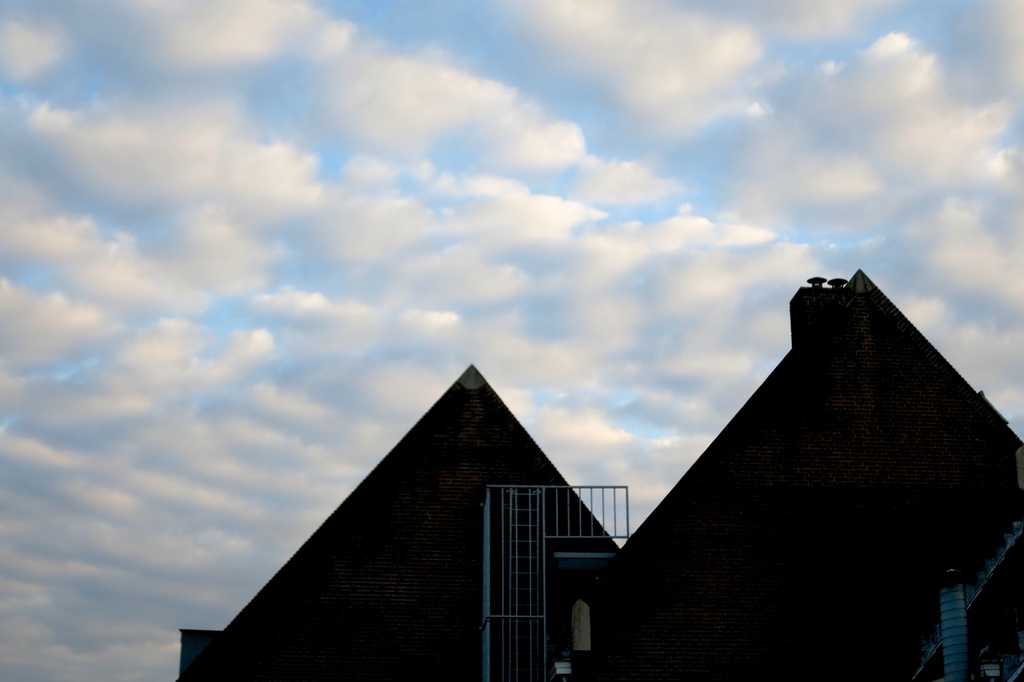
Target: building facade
[{"x": 810, "y": 540}]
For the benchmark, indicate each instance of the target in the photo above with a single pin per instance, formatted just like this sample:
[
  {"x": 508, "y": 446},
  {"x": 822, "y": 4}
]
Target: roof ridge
[
  {"x": 860, "y": 283},
  {"x": 471, "y": 378}
]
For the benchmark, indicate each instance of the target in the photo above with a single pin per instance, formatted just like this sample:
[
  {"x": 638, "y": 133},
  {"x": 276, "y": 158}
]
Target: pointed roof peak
[
  {"x": 322, "y": 611},
  {"x": 813, "y": 316},
  {"x": 471, "y": 378},
  {"x": 861, "y": 283}
]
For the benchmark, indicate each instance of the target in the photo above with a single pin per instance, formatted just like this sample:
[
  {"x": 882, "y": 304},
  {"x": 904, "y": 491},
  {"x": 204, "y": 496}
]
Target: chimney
[{"x": 814, "y": 311}]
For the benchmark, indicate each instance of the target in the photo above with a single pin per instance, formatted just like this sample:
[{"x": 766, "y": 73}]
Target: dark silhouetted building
[
  {"x": 392, "y": 585},
  {"x": 811, "y": 540}
]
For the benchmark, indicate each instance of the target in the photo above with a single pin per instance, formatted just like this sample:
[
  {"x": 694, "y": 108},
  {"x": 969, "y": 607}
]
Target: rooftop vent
[{"x": 815, "y": 310}]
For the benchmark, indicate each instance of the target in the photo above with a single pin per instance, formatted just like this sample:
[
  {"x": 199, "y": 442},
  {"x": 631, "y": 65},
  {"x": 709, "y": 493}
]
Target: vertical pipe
[
  {"x": 558, "y": 509},
  {"x": 953, "y": 625},
  {"x": 572, "y": 508},
  {"x": 627, "y": 492},
  {"x": 543, "y": 584},
  {"x": 615, "y": 511},
  {"x": 485, "y": 673},
  {"x": 506, "y": 606}
]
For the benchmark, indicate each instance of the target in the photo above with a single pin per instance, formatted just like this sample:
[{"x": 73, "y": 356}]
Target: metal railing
[
  {"x": 588, "y": 511},
  {"x": 519, "y": 521}
]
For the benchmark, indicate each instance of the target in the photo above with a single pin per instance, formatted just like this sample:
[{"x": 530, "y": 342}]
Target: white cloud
[
  {"x": 841, "y": 139},
  {"x": 166, "y": 360},
  {"x": 57, "y": 239},
  {"x": 459, "y": 275},
  {"x": 980, "y": 252},
  {"x": 403, "y": 388},
  {"x": 218, "y": 33},
  {"x": 117, "y": 275},
  {"x": 170, "y": 157},
  {"x": 505, "y": 347},
  {"x": 357, "y": 227},
  {"x": 170, "y": 345},
  {"x": 926, "y": 312},
  {"x": 273, "y": 441},
  {"x": 675, "y": 68},
  {"x": 303, "y": 304},
  {"x": 716, "y": 280},
  {"x": 244, "y": 350},
  {"x": 524, "y": 137},
  {"x": 405, "y": 105},
  {"x": 989, "y": 47},
  {"x": 41, "y": 329},
  {"x": 102, "y": 498},
  {"x": 620, "y": 183},
  {"x": 38, "y": 453},
  {"x": 522, "y": 217},
  {"x": 681, "y": 233},
  {"x": 834, "y": 179},
  {"x": 585, "y": 430},
  {"x": 431, "y": 323},
  {"x": 812, "y": 177},
  {"x": 28, "y": 50},
  {"x": 370, "y": 172},
  {"x": 10, "y": 389},
  {"x": 319, "y": 325},
  {"x": 810, "y": 20},
  {"x": 1007, "y": 169},
  {"x": 293, "y": 405},
  {"x": 505, "y": 211},
  {"x": 895, "y": 95},
  {"x": 212, "y": 253},
  {"x": 167, "y": 365},
  {"x": 111, "y": 273},
  {"x": 1008, "y": 28},
  {"x": 201, "y": 253},
  {"x": 592, "y": 449}
]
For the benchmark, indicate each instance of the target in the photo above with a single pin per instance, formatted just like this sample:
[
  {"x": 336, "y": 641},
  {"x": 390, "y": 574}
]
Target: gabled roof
[
  {"x": 389, "y": 587},
  {"x": 807, "y": 540}
]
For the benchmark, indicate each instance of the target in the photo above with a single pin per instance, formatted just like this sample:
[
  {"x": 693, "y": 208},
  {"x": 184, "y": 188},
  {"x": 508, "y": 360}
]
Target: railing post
[{"x": 485, "y": 628}]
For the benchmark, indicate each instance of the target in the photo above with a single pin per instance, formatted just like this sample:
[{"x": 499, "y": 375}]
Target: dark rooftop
[
  {"x": 389, "y": 587},
  {"x": 807, "y": 540}
]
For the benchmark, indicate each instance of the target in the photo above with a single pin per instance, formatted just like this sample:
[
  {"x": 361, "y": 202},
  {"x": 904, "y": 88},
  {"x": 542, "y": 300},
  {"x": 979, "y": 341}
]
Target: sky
[{"x": 246, "y": 244}]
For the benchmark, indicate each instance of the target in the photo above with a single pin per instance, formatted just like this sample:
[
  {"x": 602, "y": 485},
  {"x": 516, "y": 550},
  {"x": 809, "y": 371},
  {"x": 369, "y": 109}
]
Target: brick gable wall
[
  {"x": 389, "y": 587},
  {"x": 807, "y": 539}
]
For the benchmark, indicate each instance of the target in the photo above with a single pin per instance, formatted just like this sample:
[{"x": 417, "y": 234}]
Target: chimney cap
[
  {"x": 816, "y": 282},
  {"x": 837, "y": 282}
]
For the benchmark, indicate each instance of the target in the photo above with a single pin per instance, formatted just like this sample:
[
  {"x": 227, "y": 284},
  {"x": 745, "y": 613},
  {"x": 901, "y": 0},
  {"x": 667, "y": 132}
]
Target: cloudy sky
[{"x": 245, "y": 244}]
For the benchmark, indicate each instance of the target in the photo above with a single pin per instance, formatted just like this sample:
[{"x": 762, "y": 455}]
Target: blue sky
[{"x": 245, "y": 244}]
